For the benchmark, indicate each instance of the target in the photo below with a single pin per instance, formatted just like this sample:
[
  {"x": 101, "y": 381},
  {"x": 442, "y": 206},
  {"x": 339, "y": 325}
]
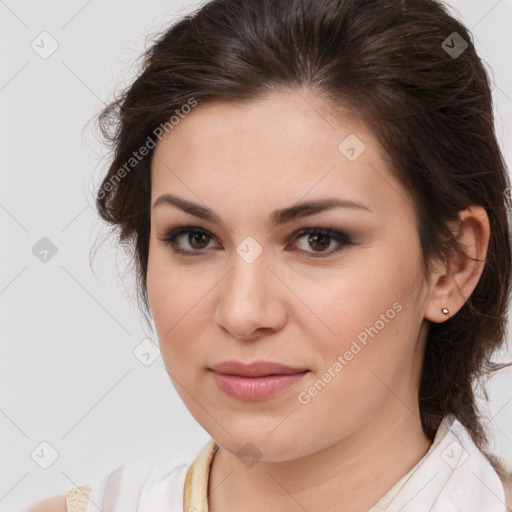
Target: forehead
[{"x": 281, "y": 148}]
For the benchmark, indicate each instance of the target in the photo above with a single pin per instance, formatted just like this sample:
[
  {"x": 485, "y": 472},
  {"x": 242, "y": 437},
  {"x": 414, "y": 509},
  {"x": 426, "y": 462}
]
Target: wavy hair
[{"x": 406, "y": 68}]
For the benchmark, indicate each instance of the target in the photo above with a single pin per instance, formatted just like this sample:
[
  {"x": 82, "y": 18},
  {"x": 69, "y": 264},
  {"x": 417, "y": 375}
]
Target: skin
[
  {"x": 354, "y": 440},
  {"x": 52, "y": 504}
]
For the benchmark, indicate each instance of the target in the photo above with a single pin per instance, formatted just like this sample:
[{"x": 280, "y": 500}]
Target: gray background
[{"x": 69, "y": 376}]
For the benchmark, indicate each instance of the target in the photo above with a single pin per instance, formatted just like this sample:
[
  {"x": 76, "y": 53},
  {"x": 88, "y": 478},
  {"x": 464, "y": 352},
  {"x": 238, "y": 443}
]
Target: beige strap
[
  {"x": 195, "y": 492},
  {"x": 77, "y": 498}
]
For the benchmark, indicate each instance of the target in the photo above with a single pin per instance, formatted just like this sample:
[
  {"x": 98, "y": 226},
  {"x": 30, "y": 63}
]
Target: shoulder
[
  {"x": 75, "y": 500},
  {"x": 52, "y": 504},
  {"x": 154, "y": 480}
]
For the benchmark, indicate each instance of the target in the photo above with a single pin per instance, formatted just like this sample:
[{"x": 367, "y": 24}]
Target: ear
[{"x": 453, "y": 281}]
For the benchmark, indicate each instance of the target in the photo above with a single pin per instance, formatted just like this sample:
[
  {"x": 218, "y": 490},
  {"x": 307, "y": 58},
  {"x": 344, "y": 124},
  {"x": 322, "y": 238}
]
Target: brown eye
[
  {"x": 319, "y": 241},
  {"x": 187, "y": 240},
  {"x": 197, "y": 239}
]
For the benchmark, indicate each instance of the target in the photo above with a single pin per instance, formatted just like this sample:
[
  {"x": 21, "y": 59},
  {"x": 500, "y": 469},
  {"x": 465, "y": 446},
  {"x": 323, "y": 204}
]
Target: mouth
[
  {"x": 256, "y": 381},
  {"x": 256, "y": 369}
]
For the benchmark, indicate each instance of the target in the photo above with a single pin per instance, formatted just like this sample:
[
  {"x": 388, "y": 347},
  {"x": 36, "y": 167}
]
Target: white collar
[{"x": 453, "y": 476}]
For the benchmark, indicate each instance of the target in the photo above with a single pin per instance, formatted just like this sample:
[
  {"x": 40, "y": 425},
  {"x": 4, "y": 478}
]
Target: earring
[{"x": 445, "y": 311}]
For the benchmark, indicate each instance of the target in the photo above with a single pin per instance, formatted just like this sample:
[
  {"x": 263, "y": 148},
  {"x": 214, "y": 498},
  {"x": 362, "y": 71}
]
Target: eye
[
  {"x": 320, "y": 239},
  {"x": 198, "y": 240}
]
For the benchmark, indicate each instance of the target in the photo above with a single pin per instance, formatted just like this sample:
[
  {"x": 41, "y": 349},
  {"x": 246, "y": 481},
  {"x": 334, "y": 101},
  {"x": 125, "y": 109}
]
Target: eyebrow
[{"x": 277, "y": 217}]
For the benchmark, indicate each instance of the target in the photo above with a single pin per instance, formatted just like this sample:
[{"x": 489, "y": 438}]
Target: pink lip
[
  {"x": 256, "y": 369},
  {"x": 255, "y": 381}
]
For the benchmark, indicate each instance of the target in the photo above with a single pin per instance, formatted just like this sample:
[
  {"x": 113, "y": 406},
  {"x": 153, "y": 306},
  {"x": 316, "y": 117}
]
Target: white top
[{"x": 453, "y": 476}]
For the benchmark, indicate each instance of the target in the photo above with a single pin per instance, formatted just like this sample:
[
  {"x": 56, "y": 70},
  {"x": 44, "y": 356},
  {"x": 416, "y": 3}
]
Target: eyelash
[{"x": 338, "y": 236}]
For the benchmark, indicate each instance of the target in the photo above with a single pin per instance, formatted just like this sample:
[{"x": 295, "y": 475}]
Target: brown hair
[{"x": 400, "y": 68}]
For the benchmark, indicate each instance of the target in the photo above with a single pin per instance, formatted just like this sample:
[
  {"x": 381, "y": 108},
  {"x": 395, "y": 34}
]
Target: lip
[
  {"x": 256, "y": 369},
  {"x": 256, "y": 381}
]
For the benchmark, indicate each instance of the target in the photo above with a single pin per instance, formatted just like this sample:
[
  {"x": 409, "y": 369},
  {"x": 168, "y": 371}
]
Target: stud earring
[{"x": 445, "y": 311}]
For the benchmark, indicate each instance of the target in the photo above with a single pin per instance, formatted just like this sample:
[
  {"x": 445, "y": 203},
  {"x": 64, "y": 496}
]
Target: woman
[{"x": 318, "y": 207}]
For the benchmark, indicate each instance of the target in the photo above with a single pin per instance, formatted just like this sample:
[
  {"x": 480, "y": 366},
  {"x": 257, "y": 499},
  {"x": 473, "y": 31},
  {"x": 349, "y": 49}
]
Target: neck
[{"x": 357, "y": 471}]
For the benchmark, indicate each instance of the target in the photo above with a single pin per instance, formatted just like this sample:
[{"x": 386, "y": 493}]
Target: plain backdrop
[{"x": 75, "y": 401}]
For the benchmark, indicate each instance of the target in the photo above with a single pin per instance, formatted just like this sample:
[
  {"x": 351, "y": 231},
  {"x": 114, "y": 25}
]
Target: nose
[{"x": 251, "y": 304}]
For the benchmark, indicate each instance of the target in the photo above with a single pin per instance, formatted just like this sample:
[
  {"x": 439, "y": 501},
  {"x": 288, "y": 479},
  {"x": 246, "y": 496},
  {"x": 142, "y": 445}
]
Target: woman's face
[{"x": 346, "y": 308}]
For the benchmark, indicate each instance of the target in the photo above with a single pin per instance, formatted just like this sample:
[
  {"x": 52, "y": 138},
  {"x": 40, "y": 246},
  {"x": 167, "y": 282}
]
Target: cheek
[
  {"x": 372, "y": 350},
  {"x": 174, "y": 304},
  {"x": 366, "y": 310}
]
